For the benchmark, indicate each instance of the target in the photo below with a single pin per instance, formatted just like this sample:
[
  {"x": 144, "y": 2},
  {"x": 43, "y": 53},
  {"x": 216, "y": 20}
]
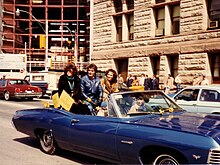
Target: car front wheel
[
  {"x": 47, "y": 142},
  {"x": 7, "y": 95},
  {"x": 165, "y": 159}
]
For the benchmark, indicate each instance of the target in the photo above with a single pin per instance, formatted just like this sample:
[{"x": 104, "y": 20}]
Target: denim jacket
[{"x": 91, "y": 88}]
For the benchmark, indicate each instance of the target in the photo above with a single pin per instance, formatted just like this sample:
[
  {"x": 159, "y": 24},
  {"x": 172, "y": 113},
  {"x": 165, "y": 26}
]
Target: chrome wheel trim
[
  {"x": 47, "y": 139},
  {"x": 165, "y": 159},
  {"x": 7, "y": 95}
]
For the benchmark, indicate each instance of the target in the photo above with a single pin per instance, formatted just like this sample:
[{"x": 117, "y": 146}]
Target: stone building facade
[{"x": 157, "y": 37}]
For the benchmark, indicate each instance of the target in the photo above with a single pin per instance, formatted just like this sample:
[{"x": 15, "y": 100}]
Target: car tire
[
  {"x": 7, "y": 95},
  {"x": 165, "y": 159},
  {"x": 47, "y": 142}
]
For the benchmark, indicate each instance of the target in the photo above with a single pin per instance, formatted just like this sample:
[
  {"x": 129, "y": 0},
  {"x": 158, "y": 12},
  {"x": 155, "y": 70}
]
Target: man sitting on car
[{"x": 91, "y": 89}]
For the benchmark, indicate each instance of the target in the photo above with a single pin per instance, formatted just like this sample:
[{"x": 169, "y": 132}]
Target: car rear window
[
  {"x": 2, "y": 82},
  {"x": 38, "y": 78},
  {"x": 21, "y": 82}
]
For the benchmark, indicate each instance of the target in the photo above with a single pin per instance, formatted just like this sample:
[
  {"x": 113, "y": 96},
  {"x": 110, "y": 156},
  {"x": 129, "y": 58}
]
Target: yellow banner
[
  {"x": 66, "y": 101},
  {"x": 137, "y": 88},
  {"x": 56, "y": 100}
]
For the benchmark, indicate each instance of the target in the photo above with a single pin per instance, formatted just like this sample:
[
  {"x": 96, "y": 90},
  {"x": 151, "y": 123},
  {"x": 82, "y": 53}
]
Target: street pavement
[{"x": 20, "y": 149}]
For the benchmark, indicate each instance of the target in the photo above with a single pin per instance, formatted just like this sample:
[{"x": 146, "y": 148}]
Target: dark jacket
[
  {"x": 129, "y": 82},
  {"x": 66, "y": 84},
  {"x": 155, "y": 84},
  {"x": 147, "y": 83}
]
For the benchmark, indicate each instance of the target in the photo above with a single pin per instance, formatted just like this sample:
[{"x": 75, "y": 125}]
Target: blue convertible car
[{"x": 141, "y": 127}]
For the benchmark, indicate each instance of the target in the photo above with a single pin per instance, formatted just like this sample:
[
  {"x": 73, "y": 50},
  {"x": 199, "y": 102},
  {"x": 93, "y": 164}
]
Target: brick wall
[{"x": 192, "y": 44}]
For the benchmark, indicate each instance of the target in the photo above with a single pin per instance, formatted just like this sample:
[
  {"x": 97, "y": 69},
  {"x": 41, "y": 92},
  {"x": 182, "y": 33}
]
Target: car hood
[{"x": 204, "y": 124}]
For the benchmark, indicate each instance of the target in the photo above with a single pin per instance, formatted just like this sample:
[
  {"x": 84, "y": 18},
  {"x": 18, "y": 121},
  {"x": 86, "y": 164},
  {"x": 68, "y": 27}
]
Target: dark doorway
[
  {"x": 155, "y": 63},
  {"x": 173, "y": 61},
  {"x": 122, "y": 67}
]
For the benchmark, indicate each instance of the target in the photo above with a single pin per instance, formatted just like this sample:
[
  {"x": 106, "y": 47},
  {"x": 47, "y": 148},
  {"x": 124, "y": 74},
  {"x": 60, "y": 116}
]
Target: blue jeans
[
  {"x": 89, "y": 105},
  {"x": 178, "y": 88}
]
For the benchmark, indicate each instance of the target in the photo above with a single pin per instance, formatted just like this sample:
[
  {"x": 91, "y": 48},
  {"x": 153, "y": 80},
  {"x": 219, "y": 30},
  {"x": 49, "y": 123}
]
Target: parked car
[
  {"x": 18, "y": 88},
  {"x": 161, "y": 133},
  {"x": 38, "y": 79},
  {"x": 204, "y": 99}
]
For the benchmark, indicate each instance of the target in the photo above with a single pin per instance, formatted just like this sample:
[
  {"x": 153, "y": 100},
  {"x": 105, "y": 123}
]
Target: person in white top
[
  {"x": 205, "y": 81},
  {"x": 141, "y": 81},
  {"x": 169, "y": 84},
  {"x": 178, "y": 83}
]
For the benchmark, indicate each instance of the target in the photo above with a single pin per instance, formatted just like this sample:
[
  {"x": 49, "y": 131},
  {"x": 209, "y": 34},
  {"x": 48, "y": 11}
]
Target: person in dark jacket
[
  {"x": 154, "y": 83},
  {"x": 91, "y": 87},
  {"x": 70, "y": 82},
  {"x": 147, "y": 83},
  {"x": 129, "y": 80}
]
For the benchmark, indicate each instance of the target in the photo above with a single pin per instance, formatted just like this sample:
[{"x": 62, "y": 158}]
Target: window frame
[
  {"x": 118, "y": 28},
  {"x": 174, "y": 19},
  {"x": 130, "y": 26}
]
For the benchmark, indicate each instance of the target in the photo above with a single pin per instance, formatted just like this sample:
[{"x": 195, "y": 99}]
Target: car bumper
[{"x": 26, "y": 95}]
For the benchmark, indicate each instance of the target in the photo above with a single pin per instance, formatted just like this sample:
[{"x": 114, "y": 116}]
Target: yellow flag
[
  {"x": 66, "y": 101},
  {"x": 55, "y": 99},
  {"x": 136, "y": 88}
]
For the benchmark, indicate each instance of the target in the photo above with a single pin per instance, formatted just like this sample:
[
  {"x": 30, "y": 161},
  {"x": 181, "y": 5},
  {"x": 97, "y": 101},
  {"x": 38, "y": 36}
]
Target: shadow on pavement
[{"x": 79, "y": 158}]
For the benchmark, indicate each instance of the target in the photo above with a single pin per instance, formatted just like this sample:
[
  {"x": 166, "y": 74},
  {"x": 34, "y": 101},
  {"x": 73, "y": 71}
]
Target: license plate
[{"x": 28, "y": 92}]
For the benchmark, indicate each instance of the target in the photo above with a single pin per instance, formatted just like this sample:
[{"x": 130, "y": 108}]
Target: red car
[{"x": 18, "y": 88}]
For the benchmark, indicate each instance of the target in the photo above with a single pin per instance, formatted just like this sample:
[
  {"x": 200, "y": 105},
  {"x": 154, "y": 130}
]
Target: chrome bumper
[{"x": 25, "y": 95}]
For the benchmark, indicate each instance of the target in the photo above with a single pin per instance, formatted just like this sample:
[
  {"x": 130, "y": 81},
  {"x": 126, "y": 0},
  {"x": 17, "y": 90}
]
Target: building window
[
  {"x": 131, "y": 26},
  {"x": 160, "y": 21},
  {"x": 176, "y": 19},
  {"x": 155, "y": 63},
  {"x": 214, "y": 61},
  {"x": 118, "y": 28},
  {"x": 118, "y": 6},
  {"x": 123, "y": 21},
  {"x": 130, "y": 4},
  {"x": 214, "y": 14}
]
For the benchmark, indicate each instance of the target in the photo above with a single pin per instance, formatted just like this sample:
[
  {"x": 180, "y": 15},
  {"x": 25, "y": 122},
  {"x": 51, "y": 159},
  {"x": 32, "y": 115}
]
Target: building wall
[
  {"x": 51, "y": 33},
  {"x": 192, "y": 44}
]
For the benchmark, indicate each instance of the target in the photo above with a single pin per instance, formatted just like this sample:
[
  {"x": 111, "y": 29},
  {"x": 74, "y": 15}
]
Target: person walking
[
  {"x": 142, "y": 79},
  {"x": 154, "y": 83},
  {"x": 147, "y": 83},
  {"x": 91, "y": 87},
  {"x": 135, "y": 81},
  {"x": 205, "y": 81},
  {"x": 169, "y": 84},
  {"x": 178, "y": 83},
  {"x": 196, "y": 80},
  {"x": 129, "y": 80}
]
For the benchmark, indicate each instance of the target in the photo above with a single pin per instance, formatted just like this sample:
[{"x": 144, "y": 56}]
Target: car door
[
  {"x": 2, "y": 87},
  {"x": 209, "y": 101},
  {"x": 188, "y": 99},
  {"x": 95, "y": 135}
]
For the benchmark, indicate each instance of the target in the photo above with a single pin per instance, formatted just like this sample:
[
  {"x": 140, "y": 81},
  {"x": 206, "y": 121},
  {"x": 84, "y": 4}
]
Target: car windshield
[
  {"x": 142, "y": 103},
  {"x": 18, "y": 82}
]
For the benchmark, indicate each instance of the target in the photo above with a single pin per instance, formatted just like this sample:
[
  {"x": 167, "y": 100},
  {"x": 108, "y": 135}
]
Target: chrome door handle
[
  {"x": 126, "y": 142},
  {"x": 73, "y": 121}
]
